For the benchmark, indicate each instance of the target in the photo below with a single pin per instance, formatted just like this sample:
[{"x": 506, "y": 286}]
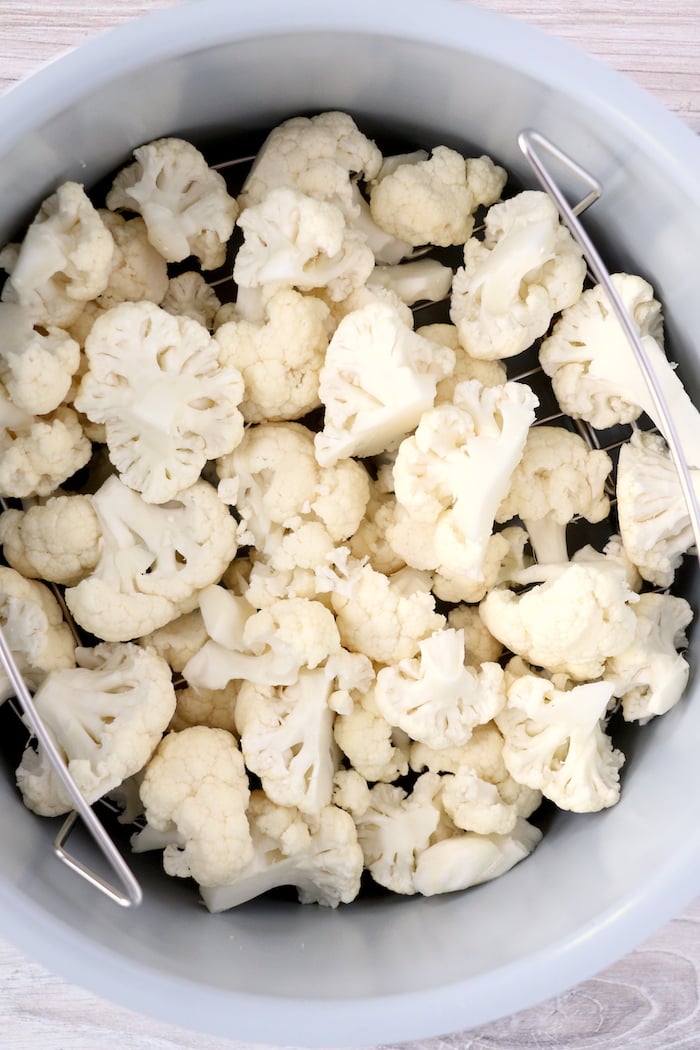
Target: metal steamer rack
[{"x": 125, "y": 890}]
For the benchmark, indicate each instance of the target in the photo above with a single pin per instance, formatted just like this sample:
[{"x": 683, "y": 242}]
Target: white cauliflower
[
  {"x": 37, "y": 362},
  {"x": 436, "y": 698},
  {"x": 555, "y": 740},
  {"x": 39, "y": 454},
  {"x": 189, "y": 295},
  {"x": 179, "y": 640},
  {"x": 454, "y": 471},
  {"x": 268, "y": 647},
  {"x": 376, "y": 750},
  {"x": 650, "y": 676},
  {"x": 396, "y": 828},
  {"x": 167, "y": 403},
  {"x": 527, "y": 268},
  {"x": 34, "y": 630},
  {"x": 195, "y": 793},
  {"x": 370, "y": 539},
  {"x": 293, "y": 240},
  {"x": 480, "y": 646},
  {"x": 414, "y": 281},
  {"x": 594, "y": 371},
  {"x": 281, "y": 486},
  {"x": 184, "y": 203},
  {"x": 379, "y": 615},
  {"x": 64, "y": 260},
  {"x": 652, "y": 515},
  {"x": 280, "y": 356},
  {"x": 321, "y": 858},
  {"x": 214, "y": 708},
  {"x": 489, "y": 373},
  {"x": 153, "y": 560},
  {"x": 467, "y": 859},
  {"x": 427, "y": 201},
  {"x": 378, "y": 379},
  {"x": 106, "y": 717},
  {"x": 558, "y": 477},
  {"x": 572, "y": 623},
  {"x": 317, "y": 156},
  {"x": 478, "y": 793},
  {"x": 57, "y": 541},
  {"x": 138, "y": 271},
  {"x": 287, "y": 739}
]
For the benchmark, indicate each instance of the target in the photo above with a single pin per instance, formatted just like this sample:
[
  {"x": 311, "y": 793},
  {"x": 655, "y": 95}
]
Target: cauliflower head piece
[
  {"x": 64, "y": 260},
  {"x": 183, "y": 202},
  {"x": 555, "y": 739},
  {"x": 167, "y": 403},
  {"x": 37, "y": 454},
  {"x": 33, "y": 626},
  {"x": 316, "y": 155},
  {"x": 106, "y": 717},
  {"x": 37, "y": 363},
  {"x": 526, "y": 269},
  {"x": 195, "y": 793},
  {"x": 280, "y": 356},
  {"x": 571, "y": 624},
  {"x": 57, "y": 541}
]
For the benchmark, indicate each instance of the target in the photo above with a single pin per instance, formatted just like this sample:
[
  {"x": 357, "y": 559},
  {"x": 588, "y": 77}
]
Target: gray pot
[{"x": 381, "y": 970}]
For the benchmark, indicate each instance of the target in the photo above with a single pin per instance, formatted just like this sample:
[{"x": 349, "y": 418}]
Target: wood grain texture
[{"x": 650, "y": 1000}]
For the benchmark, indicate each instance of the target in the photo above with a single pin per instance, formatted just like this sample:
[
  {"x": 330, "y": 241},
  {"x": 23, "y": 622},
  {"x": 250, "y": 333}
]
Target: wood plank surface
[{"x": 650, "y": 999}]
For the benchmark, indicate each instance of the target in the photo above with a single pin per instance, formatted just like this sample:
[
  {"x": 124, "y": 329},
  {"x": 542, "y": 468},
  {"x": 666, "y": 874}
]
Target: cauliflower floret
[
  {"x": 214, "y": 708},
  {"x": 288, "y": 570},
  {"x": 378, "y": 379},
  {"x": 480, "y": 646},
  {"x": 38, "y": 455},
  {"x": 468, "y": 859},
  {"x": 526, "y": 269},
  {"x": 317, "y": 156},
  {"x": 365, "y": 296},
  {"x": 56, "y": 541},
  {"x": 478, "y": 793},
  {"x": 572, "y": 623},
  {"x": 106, "y": 717},
  {"x": 178, "y": 641},
  {"x": 396, "y": 828},
  {"x": 555, "y": 740},
  {"x": 489, "y": 373},
  {"x": 377, "y": 750},
  {"x": 64, "y": 260},
  {"x": 195, "y": 791},
  {"x": 287, "y": 739},
  {"x": 652, "y": 515},
  {"x": 280, "y": 486},
  {"x": 351, "y": 792},
  {"x": 322, "y": 858},
  {"x": 454, "y": 471},
  {"x": 268, "y": 647},
  {"x": 650, "y": 676},
  {"x": 380, "y": 616},
  {"x": 437, "y": 699},
  {"x": 419, "y": 281},
  {"x": 292, "y": 240},
  {"x": 426, "y": 201},
  {"x": 167, "y": 403},
  {"x": 485, "y": 180},
  {"x": 138, "y": 271},
  {"x": 279, "y": 357},
  {"x": 33, "y": 628},
  {"x": 37, "y": 363},
  {"x": 184, "y": 203},
  {"x": 189, "y": 295},
  {"x": 370, "y": 539},
  {"x": 594, "y": 371},
  {"x": 558, "y": 477},
  {"x": 153, "y": 560}
]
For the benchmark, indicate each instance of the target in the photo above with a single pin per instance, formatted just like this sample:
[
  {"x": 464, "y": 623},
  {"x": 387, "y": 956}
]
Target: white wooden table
[{"x": 650, "y": 1000}]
